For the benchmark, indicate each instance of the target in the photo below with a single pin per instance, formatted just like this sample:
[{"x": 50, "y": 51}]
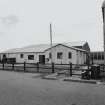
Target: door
[{"x": 42, "y": 59}]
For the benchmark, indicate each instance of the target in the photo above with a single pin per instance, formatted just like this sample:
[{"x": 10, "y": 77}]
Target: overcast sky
[{"x": 26, "y": 22}]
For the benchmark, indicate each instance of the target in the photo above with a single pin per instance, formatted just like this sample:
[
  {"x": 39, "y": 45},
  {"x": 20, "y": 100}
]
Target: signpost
[
  {"x": 103, "y": 13},
  {"x": 51, "y": 42}
]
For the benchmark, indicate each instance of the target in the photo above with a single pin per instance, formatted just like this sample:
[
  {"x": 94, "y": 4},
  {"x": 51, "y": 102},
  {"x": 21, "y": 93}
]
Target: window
[
  {"x": 30, "y": 57},
  {"x": 50, "y": 55},
  {"x": 95, "y": 56},
  {"x": 21, "y": 55},
  {"x": 69, "y": 55},
  {"x": 59, "y": 55}
]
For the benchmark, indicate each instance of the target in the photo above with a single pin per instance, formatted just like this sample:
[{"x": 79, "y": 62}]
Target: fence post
[
  {"x": 24, "y": 66},
  {"x": 12, "y": 66},
  {"x": 53, "y": 67},
  {"x": 37, "y": 66},
  {"x": 70, "y": 69},
  {"x": 103, "y": 67},
  {"x": 3, "y": 65},
  {"x": 88, "y": 66}
]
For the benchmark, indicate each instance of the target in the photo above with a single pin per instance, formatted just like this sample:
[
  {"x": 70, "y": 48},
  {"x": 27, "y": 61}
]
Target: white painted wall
[
  {"x": 25, "y": 58},
  {"x": 76, "y": 57}
]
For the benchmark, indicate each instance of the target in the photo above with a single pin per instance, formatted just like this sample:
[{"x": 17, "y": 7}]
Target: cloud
[{"x": 9, "y": 20}]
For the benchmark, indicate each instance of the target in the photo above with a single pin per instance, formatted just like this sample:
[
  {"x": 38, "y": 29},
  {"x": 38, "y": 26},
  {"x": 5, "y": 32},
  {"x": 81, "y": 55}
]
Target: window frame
[
  {"x": 69, "y": 55},
  {"x": 50, "y": 55},
  {"x": 22, "y": 56},
  {"x": 59, "y": 55},
  {"x": 30, "y": 57}
]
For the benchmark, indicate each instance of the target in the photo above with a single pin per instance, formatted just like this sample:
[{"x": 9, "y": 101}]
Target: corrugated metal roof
[
  {"x": 11, "y": 50},
  {"x": 78, "y": 49},
  {"x": 32, "y": 48},
  {"x": 43, "y": 47},
  {"x": 80, "y": 43}
]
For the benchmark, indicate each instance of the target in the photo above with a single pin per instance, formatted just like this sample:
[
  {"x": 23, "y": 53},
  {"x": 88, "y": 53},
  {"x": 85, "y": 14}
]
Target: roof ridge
[{"x": 41, "y": 47}]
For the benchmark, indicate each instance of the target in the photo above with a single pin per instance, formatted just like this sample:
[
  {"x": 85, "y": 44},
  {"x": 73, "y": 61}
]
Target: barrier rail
[{"x": 47, "y": 68}]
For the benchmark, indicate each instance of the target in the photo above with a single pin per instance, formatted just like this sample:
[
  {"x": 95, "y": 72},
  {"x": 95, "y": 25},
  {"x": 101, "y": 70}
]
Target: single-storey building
[
  {"x": 43, "y": 53},
  {"x": 97, "y": 57}
]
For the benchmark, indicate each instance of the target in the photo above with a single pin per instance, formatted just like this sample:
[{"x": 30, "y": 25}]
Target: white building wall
[
  {"x": 36, "y": 58},
  {"x": 25, "y": 58},
  {"x": 81, "y": 57},
  {"x": 65, "y": 60}
]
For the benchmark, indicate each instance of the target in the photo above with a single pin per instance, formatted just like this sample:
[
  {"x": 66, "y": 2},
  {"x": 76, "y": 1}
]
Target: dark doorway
[{"x": 42, "y": 59}]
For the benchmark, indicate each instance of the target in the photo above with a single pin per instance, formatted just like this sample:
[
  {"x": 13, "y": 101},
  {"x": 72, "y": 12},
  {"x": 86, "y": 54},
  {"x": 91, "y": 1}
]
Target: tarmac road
[{"x": 24, "y": 89}]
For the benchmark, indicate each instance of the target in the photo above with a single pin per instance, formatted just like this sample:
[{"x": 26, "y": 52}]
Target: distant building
[
  {"x": 97, "y": 57},
  {"x": 77, "y": 53}
]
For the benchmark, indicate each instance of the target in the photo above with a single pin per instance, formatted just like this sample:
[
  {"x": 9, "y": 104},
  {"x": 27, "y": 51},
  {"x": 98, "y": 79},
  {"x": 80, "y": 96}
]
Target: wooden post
[
  {"x": 37, "y": 66},
  {"x": 3, "y": 65},
  {"x": 12, "y": 66},
  {"x": 53, "y": 68},
  {"x": 70, "y": 69},
  {"x": 24, "y": 66},
  {"x": 88, "y": 66}
]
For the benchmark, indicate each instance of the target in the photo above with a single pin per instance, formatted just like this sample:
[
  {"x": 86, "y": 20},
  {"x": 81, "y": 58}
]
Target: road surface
[{"x": 27, "y": 89}]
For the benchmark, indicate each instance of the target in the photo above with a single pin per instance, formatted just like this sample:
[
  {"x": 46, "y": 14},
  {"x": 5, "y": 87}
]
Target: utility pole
[
  {"x": 103, "y": 13},
  {"x": 51, "y": 43}
]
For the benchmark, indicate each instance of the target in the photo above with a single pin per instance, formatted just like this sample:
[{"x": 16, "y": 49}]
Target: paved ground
[{"x": 26, "y": 89}]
